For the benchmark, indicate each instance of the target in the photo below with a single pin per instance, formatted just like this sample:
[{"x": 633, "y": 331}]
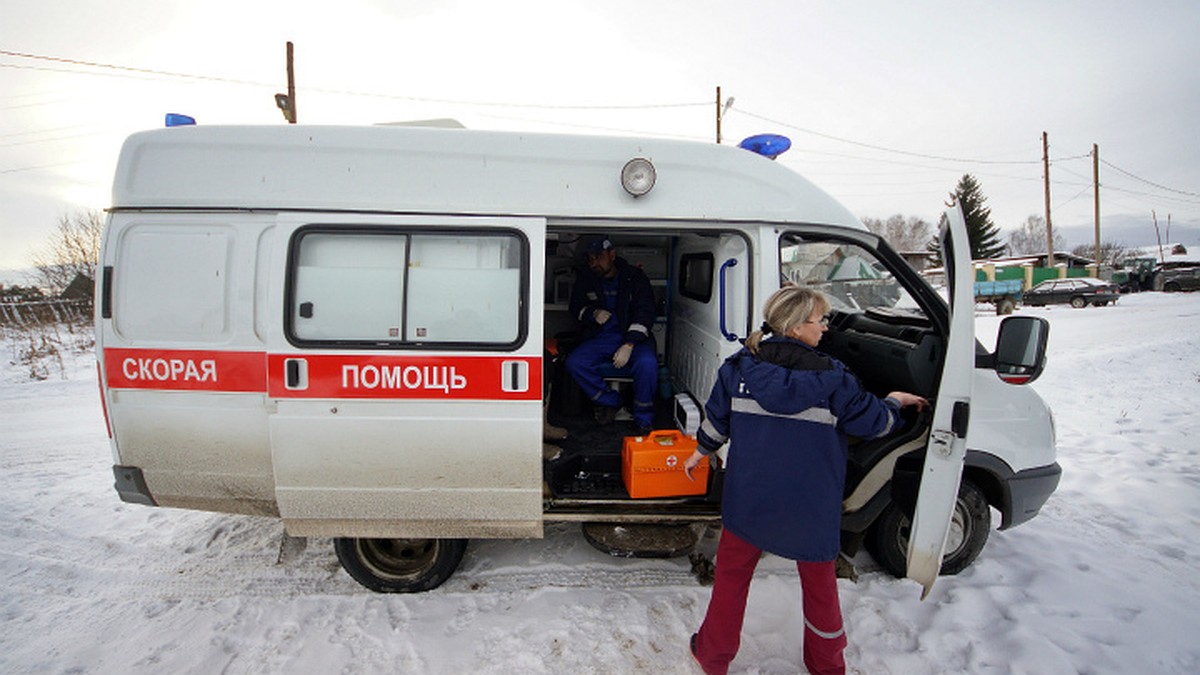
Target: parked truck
[{"x": 1005, "y": 295}]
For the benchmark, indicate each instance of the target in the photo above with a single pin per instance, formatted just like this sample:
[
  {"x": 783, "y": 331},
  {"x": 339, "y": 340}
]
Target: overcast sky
[{"x": 887, "y": 103}]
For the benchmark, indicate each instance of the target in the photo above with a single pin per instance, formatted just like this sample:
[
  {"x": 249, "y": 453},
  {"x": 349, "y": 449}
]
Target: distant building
[
  {"x": 1176, "y": 254},
  {"x": 1064, "y": 258},
  {"x": 919, "y": 260},
  {"x": 80, "y": 288}
]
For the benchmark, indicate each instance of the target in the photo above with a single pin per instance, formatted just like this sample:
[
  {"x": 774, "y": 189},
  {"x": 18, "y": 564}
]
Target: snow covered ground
[{"x": 1103, "y": 581}]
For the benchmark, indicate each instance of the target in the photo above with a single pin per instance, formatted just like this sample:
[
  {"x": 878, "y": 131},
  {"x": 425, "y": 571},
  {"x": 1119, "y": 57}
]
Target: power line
[
  {"x": 341, "y": 92},
  {"x": 131, "y": 69},
  {"x": 1077, "y": 196},
  {"x": 43, "y": 131},
  {"x": 148, "y": 73},
  {"x": 1180, "y": 200},
  {"x": 42, "y": 166},
  {"x": 885, "y": 149},
  {"x": 34, "y": 141},
  {"x": 692, "y": 137},
  {"x": 1147, "y": 182}
]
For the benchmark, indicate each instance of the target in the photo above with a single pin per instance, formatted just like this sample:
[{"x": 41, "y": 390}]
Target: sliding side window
[{"x": 406, "y": 289}]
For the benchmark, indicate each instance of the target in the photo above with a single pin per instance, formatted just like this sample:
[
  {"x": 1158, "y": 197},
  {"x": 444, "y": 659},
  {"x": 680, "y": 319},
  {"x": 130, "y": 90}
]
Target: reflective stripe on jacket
[
  {"x": 635, "y": 310},
  {"x": 786, "y": 414}
]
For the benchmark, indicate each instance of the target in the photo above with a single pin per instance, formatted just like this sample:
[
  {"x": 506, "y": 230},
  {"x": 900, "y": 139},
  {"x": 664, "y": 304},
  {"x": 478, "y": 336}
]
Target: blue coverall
[{"x": 630, "y": 299}]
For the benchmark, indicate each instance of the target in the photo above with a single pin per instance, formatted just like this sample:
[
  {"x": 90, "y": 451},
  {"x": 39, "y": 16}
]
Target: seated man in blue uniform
[{"x": 614, "y": 305}]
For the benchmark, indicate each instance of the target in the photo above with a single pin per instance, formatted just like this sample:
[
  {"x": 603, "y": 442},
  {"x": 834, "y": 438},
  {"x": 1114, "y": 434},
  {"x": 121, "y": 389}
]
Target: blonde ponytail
[{"x": 788, "y": 307}]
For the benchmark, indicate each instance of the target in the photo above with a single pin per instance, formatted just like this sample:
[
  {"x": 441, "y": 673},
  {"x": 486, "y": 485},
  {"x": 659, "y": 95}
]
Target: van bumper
[
  {"x": 1026, "y": 492},
  {"x": 131, "y": 485}
]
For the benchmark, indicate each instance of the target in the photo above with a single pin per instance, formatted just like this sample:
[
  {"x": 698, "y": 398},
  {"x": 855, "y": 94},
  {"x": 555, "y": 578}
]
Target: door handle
[{"x": 295, "y": 374}]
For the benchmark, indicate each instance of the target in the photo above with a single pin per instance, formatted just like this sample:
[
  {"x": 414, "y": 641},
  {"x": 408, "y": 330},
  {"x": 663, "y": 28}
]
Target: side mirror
[{"x": 1021, "y": 348}]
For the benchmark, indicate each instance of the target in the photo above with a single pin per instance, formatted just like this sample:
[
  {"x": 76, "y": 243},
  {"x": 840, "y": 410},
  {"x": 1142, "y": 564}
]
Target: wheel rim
[
  {"x": 397, "y": 559},
  {"x": 955, "y": 538}
]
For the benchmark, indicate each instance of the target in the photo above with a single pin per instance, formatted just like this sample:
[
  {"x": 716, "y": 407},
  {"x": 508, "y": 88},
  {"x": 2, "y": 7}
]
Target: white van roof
[{"x": 456, "y": 171}]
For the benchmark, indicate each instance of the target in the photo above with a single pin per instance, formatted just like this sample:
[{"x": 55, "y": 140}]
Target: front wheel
[
  {"x": 1171, "y": 287},
  {"x": 887, "y": 540},
  {"x": 400, "y": 565},
  {"x": 1078, "y": 302}
]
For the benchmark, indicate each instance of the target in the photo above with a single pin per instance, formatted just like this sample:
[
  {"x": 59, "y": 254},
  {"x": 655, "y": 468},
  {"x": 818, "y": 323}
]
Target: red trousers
[{"x": 719, "y": 637}]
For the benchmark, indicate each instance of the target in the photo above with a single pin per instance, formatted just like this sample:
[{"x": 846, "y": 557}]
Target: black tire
[
  {"x": 1078, "y": 302},
  {"x": 1005, "y": 307},
  {"x": 1171, "y": 287},
  {"x": 887, "y": 539},
  {"x": 400, "y": 565}
]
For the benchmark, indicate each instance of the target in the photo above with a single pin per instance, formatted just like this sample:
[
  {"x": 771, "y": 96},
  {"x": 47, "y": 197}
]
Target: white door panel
[
  {"x": 946, "y": 451},
  {"x": 700, "y": 327}
]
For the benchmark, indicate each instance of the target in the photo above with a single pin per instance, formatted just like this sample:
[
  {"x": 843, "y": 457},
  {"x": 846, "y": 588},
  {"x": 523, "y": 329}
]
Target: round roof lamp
[{"x": 638, "y": 176}]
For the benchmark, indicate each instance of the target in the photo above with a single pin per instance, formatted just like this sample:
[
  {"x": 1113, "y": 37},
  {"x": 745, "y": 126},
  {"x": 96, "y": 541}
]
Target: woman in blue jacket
[{"x": 785, "y": 409}]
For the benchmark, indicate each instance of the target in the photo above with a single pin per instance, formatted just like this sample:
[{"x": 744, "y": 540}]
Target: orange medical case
[{"x": 652, "y": 466}]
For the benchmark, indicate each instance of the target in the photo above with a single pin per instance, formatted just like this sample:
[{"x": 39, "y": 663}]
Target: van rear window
[
  {"x": 376, "y": 288},
  {"x": 176, "y": 284}
]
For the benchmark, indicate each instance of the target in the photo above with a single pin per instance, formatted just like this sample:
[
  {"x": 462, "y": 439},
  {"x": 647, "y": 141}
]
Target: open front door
[
  {"x": 407, "y": 380},
  {"x": 946, "y": 451}
]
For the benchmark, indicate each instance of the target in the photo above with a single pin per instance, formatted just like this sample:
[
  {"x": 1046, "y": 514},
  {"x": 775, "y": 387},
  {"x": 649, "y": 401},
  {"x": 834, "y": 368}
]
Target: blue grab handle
[{"x": 732, "y": 262}]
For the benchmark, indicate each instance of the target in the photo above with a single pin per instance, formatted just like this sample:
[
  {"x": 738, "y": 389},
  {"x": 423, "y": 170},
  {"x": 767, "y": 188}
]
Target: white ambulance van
[{"x": 355, "y": 330}]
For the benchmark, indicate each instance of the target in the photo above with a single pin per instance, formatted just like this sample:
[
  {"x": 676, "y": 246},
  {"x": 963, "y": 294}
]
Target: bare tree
[
  {"x": 1112, "y": 253},
  {"x": 72, "y": 250},
  {"x": 1030, "y": 238},
  {"x": 903, "y": 234}
]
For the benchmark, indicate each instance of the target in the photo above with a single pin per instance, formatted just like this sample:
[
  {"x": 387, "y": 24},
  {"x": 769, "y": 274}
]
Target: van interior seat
[
  {"x": 615, "y": 376},
  {"x": 866, "y": 453}
]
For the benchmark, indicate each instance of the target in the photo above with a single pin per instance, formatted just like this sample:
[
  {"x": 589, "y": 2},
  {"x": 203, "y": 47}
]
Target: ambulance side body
[{"x": 345, "y": 327}]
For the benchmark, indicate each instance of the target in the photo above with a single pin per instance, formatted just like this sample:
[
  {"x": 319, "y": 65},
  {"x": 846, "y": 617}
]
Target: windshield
[{"x": 853, "y": 278}]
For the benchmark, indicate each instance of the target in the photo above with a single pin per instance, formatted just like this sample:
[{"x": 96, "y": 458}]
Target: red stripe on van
[
  {"x": 342, "y": 376},
  {"x": 185, "y": 369}
]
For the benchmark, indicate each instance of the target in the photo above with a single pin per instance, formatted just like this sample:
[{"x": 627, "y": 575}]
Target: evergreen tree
[{"x": 982, "y": 234}]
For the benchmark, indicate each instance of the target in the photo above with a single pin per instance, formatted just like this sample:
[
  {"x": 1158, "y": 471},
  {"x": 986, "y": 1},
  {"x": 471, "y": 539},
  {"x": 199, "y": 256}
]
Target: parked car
[
  {"x": 1174, "y": 279},
  {"x": 1079, "y": 292}
]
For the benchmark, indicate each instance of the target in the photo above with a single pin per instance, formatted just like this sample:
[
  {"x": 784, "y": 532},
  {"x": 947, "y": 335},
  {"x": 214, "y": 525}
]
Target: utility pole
[
  {"x": 1096, "y": 188},
  {"x": 1049, "y": 228},
  {"x": 287, "y": 102},
  {"x": 718, "y": 115},
  {"x": 1161, "y": 256},
  {"x": 721, "y": 110}
]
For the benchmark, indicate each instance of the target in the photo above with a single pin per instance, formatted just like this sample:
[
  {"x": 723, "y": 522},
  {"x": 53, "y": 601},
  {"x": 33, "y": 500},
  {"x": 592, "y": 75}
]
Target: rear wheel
[
  {"x": 887, "y": 540},
  {"x": 1171, "y": 287},
  {"x": 1005, "y": 307},
  {"x": 400, "y": 565},
  {"x": 1078, "y": 302}
]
